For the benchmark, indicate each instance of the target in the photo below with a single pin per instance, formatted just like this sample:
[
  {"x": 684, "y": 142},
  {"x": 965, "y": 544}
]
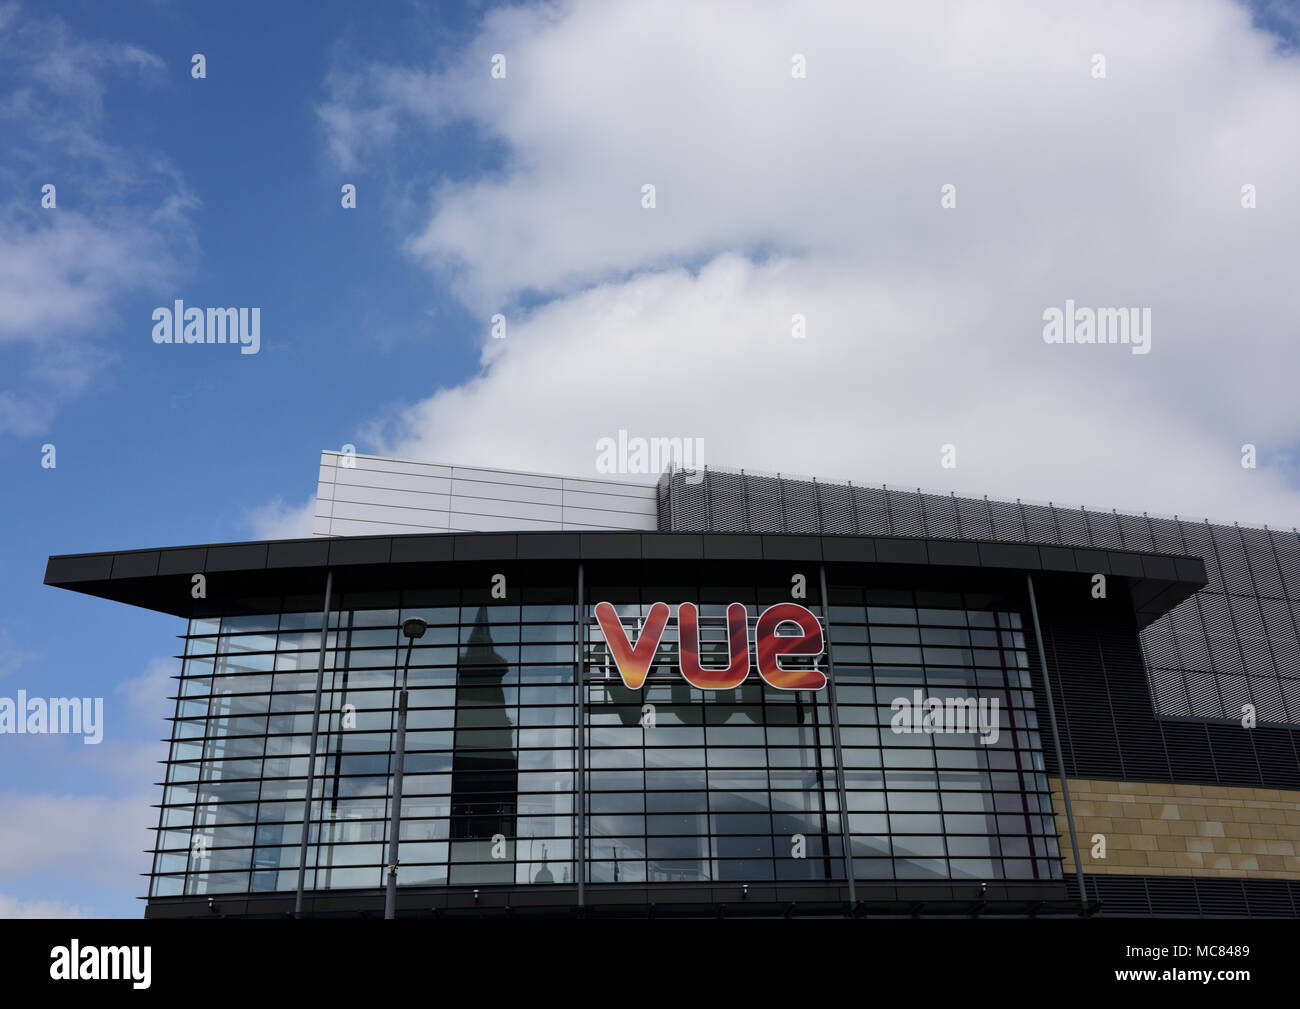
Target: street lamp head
[{"x": 414, "y": 627}]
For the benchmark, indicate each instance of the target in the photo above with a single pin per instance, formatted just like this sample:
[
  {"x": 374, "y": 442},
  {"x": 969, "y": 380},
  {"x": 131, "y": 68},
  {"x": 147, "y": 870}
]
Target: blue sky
[{"x": 523, "y": 196}]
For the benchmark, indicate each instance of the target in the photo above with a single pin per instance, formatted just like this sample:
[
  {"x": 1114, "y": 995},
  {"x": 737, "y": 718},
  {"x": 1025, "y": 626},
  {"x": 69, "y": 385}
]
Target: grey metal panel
[
  {"x": 900, "y": 551},
  {"x": 391, "y": 496},
  {"x": 483, "y": 474},
  {"x": 479, "y": 491},
  {"x": 421, "y": 549},
  {"x": 78, "y": 569},
  {"x": 1009, "y": 555},
  {"x": 344, "y": 478},
  {"x": 1062, "y": 559},
  {"x": 673, "y": 546},
  {"x": 549, "y": 546},
  {"x": 182, "y": 561},
  {"x": 792, "y": 548},
  {"x": 234, "y": 557},
  {"x": 355, "y": 550},
  {"x": 726, "y": 547},
  {"x": 597, "y": 545},
  {"x": 375, "y": 494},
  {"x": 136, "y": 564},
  {"x": 608, "y": 488},
  {"x": 384, "y": 464},
  {"x": 356, "y": 527},
  {"x": 485, "y": 547},
  {"x": 607, "y": 519},
  {"x": 419, "y": 518},
  {"x": 478, "y": 522},
  {"x": 297, "y": 554},
  {"x": 855, "y": 550},
  {"x": 954, "y": 552},
  {"x": 1129, "y": 565}
]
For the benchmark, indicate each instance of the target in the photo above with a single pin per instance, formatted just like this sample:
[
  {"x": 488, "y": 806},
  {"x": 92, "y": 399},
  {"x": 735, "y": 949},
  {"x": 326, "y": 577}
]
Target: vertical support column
[
  {"x": 315, "y": 728},
  {"x": 835, "y": 739},
  {"x": 579, "y": 740},
  {"x": 1056, "y": 740}
]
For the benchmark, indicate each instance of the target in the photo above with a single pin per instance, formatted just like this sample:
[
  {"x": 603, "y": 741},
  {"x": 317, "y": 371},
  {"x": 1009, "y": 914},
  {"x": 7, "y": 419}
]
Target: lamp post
[{"x": 412, "y": 628}]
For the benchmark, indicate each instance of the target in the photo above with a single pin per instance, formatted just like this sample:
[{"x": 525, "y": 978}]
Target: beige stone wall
[{"x": 1159, "y": 829}]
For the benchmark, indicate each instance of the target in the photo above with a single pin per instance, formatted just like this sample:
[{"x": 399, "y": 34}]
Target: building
[{"x": 1006, "y": 684}]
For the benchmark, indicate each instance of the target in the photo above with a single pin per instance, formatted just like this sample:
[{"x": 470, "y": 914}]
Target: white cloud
[
  {"x": 276, "y": 520},
  {"x": 13, "y": 658},
  {"x": 76, "y": 837},
  {"x": 147, "y": 694},
  {"x": 12, "y": 907},
  {"x": 64, "y": 271},
  {"x": 821, "y": 197}
]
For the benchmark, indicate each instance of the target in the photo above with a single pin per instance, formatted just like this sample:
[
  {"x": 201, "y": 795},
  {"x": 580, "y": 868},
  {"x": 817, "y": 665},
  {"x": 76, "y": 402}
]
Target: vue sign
[{"x": 634, "y": 661}]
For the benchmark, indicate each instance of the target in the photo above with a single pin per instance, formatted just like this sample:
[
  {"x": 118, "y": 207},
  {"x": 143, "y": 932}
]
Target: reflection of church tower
[{"x": 484, "y": 767}]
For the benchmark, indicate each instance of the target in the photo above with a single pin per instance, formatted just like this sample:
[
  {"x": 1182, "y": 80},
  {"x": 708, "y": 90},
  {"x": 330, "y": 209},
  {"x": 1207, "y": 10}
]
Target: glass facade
[{"x": 680, "y": 785}]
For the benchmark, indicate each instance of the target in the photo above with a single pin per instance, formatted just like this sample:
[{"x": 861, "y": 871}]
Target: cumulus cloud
[
  {"x": 276, "y": 520},
  {"x": 820, "y": 197},
  {"x": 12, "y": 907},
  {"x": 64, "y": 271},
  {"x": 76, "y": 837}
]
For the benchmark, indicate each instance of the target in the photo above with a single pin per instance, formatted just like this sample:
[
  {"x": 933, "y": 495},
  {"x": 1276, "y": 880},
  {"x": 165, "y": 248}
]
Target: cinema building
[{"x": 802, "y": 698}]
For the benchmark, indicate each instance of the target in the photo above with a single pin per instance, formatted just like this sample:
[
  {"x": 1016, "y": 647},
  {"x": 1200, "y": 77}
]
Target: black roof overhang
[{"x": 161, "y": 579}]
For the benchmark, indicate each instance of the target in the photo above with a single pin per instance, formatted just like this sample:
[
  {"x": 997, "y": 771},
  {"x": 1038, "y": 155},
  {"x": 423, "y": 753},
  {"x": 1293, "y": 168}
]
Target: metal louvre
[
  {"x": 836, "y": 509},
  {"x": 1170, "y": 692},
  {"x": 940, "y": 516},
  {"x": 1167, "y": 535},
  {"x": 1232, "y": 560},
  {"x": 763, "y": 504},
  {"x": 905, "y": 516},
  {"x": 1263, "y": 563},
  {"x": 799, "y": 506},
  {"x": 1221, "y": 633},
  {"x": 1203, "y": 694},
  {"x": 1073, "y": 527},
  {"x": 1104, "y": 529},
  {"x": 726, "y": 503},
  {"x": 1197, "y": 541},
  {"x": 872, "y": 510},
  {"x": 1238, "y": 628},
  {"x": 1267, "y": 691},
  {"x": 1286, "y": 546},
  {"x": 1291, "y": 698},
  {"x": 1040, "y": 524},
  {"x": 1135, "y": 534},
  {"x": 1281, "y": 636},
  {"x": 1007, "y": 521},
  {"x": 1190, "y": 896},
  {"x": 973, "y": 517}
]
